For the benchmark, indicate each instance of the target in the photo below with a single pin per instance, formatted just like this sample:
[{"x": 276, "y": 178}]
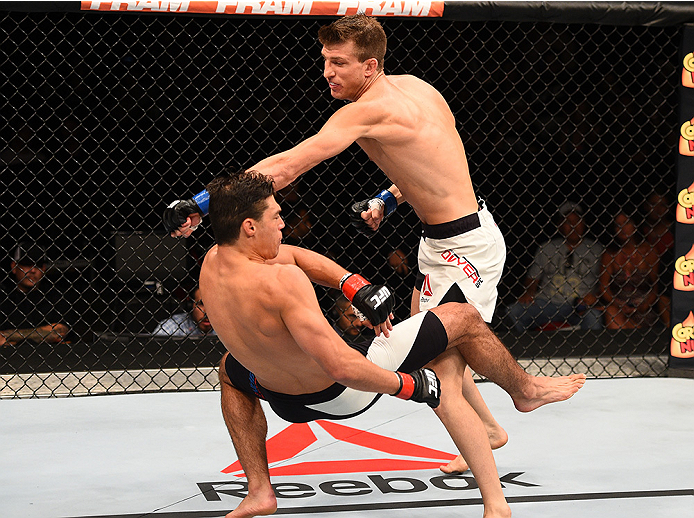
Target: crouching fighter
[{"x": 259, "y": 299}]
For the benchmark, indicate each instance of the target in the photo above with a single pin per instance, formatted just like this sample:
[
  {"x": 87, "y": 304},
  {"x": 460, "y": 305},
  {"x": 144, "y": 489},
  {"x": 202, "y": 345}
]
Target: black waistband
[
  {"x": 327, "y": 394},
  {"x": 313, "y": 398},
  {"x": 452, "y": 228}
]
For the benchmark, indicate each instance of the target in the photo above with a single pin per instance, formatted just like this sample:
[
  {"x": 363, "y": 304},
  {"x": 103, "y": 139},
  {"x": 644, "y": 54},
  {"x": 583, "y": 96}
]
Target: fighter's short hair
[
  {"x": 366, "y": 32},
  {"x": 235, "y": 197}
]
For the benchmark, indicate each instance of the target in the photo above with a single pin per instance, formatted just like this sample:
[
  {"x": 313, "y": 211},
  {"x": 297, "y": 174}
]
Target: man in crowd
[
  {"x": 190, "y": 323},
  {"x": 562, "y": 281},
  {"x": 29, "y": 311},
  {"x": 347, "y": 323}
]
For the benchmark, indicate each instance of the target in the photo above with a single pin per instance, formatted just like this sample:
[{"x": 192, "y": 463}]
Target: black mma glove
[
  {"x": 176, "y": 214},
  {"x": 422, "y": 386},
  {"x": 375, "y": 303},
  {"x": 356, "y": 219},
  {"x": 384, "y": 200}
]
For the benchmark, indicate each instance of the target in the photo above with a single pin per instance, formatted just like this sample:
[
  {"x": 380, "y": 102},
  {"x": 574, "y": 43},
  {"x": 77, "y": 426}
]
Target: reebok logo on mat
[
  {"x": 322, "y": 490},
  {"x": 296, "y": 438}
]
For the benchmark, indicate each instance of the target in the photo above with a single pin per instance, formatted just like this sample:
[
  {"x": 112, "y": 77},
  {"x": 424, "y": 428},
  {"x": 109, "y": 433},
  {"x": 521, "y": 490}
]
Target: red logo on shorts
[
  {"x": 426, "y": 287},
  {"x": 297, "y": 437}
]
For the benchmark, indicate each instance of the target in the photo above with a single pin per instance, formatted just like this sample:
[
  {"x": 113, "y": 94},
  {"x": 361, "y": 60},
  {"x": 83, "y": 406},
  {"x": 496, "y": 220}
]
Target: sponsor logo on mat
[{"x": 319, "y": 478}]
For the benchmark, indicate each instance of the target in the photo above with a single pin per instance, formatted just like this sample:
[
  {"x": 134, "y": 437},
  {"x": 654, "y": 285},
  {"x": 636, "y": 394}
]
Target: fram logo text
[{"x": 419, "y": 8}]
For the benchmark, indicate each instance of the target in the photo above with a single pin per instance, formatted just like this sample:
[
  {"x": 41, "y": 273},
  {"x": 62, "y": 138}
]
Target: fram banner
[
  {"x": 682, "y": 335},
  {"x": 419, "y": 8}
]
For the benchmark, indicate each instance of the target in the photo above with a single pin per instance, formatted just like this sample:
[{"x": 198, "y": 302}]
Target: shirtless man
[
  {"x": 406, "y": 127},
  {"x": 281, "y": 348}
]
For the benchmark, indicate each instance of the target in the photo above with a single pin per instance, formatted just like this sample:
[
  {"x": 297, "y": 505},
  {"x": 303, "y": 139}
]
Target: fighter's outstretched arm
[
  {"x": 317, "y": 267},
  {"x": 302, "y": 315},
  {"x": 342, "y": 129}
]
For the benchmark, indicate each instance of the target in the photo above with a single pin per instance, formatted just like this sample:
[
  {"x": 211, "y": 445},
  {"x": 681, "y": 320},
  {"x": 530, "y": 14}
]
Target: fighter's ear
[
  {"x": 371, "y": 66},
  {"x": 248, "y": 226}
]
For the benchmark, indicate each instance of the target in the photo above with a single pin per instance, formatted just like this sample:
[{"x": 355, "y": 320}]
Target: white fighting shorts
[{"x": 461, "y": 261}]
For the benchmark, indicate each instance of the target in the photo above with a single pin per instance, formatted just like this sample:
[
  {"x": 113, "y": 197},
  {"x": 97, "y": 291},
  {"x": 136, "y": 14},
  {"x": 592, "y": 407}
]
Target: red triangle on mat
[{"x": 297, "y": 437}]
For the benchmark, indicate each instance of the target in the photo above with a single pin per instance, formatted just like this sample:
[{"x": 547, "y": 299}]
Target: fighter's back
[{"x": 245, "y": 302}]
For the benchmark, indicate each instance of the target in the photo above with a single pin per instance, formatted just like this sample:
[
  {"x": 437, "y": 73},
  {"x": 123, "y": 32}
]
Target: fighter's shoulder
[
  {"x": 288, "y": 277},
  {"x": 284, "y": 256},
  {"x": 406, "y": 79},
  {"x": 412, "y": 83},
  {"x": 363, "y": 111}
]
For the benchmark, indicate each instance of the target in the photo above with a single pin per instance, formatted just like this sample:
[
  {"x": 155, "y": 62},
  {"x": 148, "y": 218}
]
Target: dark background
[{"x": 107, "y": 118}]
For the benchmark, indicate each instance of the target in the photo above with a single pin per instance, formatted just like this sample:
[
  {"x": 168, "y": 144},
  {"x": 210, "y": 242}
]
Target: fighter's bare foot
[
  {"x": 498, "y": 511},
  {"x": 497, "y": 438},
  {"x": 256, "y": 506},
  {"x": 543, "y": 390},
  {"x": 457, "y": 465}
]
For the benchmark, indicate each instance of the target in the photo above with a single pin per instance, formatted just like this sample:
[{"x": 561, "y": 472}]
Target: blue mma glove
[{"x": 177, "y": 212}]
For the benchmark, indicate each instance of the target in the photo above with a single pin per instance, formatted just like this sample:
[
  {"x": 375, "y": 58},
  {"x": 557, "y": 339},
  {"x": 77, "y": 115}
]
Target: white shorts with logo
[{"x": 468, "y": 253}]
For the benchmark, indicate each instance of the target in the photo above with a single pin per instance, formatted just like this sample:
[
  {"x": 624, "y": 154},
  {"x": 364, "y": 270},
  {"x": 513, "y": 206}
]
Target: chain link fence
[{"x": 106, "y": 118}]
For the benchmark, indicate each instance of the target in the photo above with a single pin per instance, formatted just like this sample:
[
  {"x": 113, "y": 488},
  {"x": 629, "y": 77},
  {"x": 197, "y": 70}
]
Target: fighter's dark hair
[
  {"x": 367, "y": 34},
  {"x": 235, "y": 197}
]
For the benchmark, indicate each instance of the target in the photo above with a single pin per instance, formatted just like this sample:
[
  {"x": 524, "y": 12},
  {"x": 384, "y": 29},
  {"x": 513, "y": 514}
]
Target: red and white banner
[{"x": 418, "y": 8}]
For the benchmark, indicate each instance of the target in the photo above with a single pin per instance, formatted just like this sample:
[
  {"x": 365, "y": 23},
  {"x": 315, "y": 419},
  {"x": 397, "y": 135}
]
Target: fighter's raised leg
[{"x": 486, "y": 355}]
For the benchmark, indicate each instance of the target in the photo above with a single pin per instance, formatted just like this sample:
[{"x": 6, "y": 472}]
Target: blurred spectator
[
  {"x": 400, "y": 282},
  {"x": 29, "y": 310},
  {"x": 657, "y": 231},
  {"x": 398, "y": 262},
  {"x": 559, "y": 288},
  {"x": 192, "y": 323},
  {"x": 657, "y": 228},
  {"x": 347, "y": 323},
  {"x": 629, "y": 279},
  {"x": 297, "y": 229}
]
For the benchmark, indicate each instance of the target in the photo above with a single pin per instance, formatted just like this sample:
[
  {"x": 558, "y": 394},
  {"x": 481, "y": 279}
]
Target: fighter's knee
[
  {"x": 459, "y": 311},
  {"x": 449, "y": 366},
  {"x": 460, "y": 318}
]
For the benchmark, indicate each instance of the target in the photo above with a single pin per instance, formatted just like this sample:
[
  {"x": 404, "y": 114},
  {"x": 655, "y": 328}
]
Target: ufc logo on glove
[
  {"x": 374, "y": 303},
  {"x": 432, "y": 382},
  {"x": 380, "y": 297}
]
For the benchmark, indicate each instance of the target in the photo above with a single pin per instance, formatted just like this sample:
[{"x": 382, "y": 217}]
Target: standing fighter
[
  {"x": 281, "y": 348},
  {"x": 406, "y": 127}
]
